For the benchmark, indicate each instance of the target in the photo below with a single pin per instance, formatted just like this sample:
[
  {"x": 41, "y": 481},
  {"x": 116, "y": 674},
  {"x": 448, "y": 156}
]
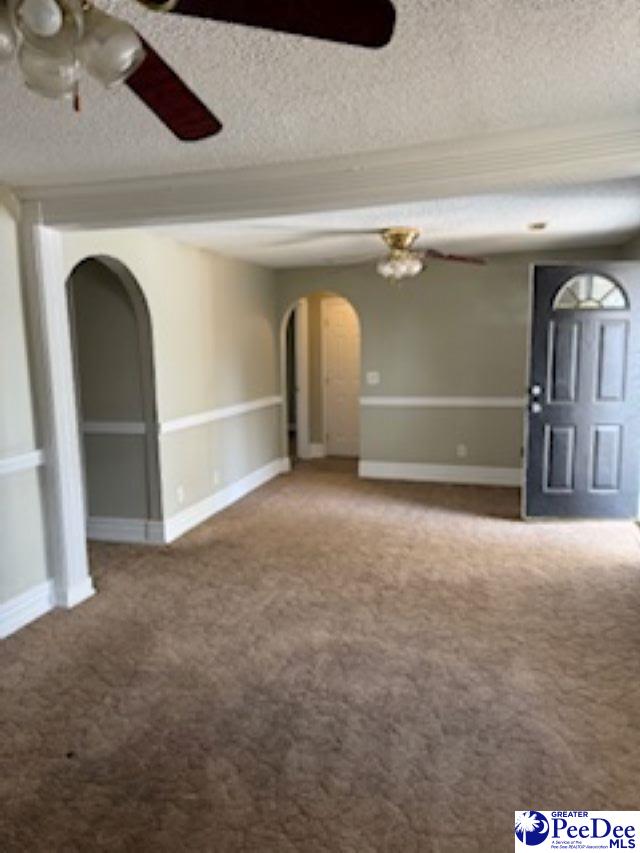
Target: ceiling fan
[
  {"x": 401, "y": 260},
  {"x": 54, "y": 40},
  {"x": 404, "y": 261}
]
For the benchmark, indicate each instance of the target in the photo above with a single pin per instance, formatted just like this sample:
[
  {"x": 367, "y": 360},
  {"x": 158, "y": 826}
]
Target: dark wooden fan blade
[
  {"x": 434, "y": 254},
  {"x": 173, "y": 102},
  {"x": 368, "y": 23}
]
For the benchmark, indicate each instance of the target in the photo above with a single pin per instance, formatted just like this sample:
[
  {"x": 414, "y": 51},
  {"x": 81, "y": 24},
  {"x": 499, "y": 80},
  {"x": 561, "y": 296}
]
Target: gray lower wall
[
  {"x": 231, "y": 448},
  {"x": 116, "y": 476},
  {"x": 432, "y": 436},
  {"x": 23, "y": 557}
]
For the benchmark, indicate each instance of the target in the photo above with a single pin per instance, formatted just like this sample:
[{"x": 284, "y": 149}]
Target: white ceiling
[
  {"x": 455, "y": 68},
  {"x": 596, "y": 214}
]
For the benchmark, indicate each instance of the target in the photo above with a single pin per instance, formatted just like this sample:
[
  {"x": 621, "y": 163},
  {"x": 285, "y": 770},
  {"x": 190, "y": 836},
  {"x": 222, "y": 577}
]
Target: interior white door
[{"x": 341, "y": 335}]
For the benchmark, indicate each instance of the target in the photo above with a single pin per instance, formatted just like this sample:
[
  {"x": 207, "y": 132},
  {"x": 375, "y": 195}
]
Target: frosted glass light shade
[
  {"x": 400, "y": 265},
  {"x": 52, "y": 76},
  {"x": 110, "y": 49},
  {"x": 42, "y": 17},
  {"x": 48, "y": 26},
  {"x": 7, "y": 36}
]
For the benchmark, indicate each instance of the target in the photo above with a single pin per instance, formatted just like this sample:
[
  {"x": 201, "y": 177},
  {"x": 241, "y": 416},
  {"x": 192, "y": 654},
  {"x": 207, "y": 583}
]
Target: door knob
[
  {"x": 536, "y": 408},
  {"x": 535, "y": 391}
]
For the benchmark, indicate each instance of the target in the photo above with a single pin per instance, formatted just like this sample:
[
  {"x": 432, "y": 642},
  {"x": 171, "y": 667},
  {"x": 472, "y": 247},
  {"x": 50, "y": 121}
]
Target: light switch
[{"x": 373, "y": 377}]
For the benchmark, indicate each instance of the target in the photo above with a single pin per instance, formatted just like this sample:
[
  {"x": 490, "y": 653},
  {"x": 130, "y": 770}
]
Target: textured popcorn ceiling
[
  {"x": 598, "y": 214},
  {"x": 455, "y": 68}
]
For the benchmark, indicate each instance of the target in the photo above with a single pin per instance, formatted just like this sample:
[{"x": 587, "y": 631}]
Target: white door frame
[
  {"x": 53, "y": 376},
  {"x": 300, "y": 312}
]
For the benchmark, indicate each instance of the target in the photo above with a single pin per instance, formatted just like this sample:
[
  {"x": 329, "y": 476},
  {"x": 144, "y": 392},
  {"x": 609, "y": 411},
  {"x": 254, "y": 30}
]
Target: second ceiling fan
[{"x": 56, "y": 39}]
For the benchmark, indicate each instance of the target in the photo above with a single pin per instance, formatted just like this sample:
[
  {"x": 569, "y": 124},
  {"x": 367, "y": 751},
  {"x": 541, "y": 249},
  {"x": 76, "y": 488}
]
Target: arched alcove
[
  {"x": 314, "y": 358},
  {"x": 115, "y": 384}
]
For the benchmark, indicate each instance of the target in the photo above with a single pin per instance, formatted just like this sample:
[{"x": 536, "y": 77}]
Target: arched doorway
[
  {"x": 320, "y": 343},
  {"x": 115, "y": 385}
]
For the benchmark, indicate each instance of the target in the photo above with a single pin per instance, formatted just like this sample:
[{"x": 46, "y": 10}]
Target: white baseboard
[
  {"x": 421, "y": 472},
  {"x": 128, "y": 530},
  {"x": 24, "y": 608},
  {"x": 190, "y": 517},
  {"x": 317, "y": 451}
]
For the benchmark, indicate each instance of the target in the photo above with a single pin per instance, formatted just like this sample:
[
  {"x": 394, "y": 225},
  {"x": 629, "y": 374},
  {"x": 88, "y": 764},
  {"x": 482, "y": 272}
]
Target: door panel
[
  {"x": 606, "y": 459},
  {"x": 612, "y": 360},
  {"x": 341, "y": 331},
  {"x": 563, "y": 359},
  {"x": 583, "y": 444},
  {"x": 560, "y": 444}
]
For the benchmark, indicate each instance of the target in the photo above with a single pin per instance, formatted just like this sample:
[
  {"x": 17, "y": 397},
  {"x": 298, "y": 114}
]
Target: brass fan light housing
[
  {"x": 400, "y": 239},
  {"x": 402, "y": 261}
]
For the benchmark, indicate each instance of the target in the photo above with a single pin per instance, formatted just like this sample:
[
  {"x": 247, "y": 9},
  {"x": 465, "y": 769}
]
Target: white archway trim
[
  {"x": 43, "y": 269},
  {"x": 302, "y": 379},
  {"x": 300, "y": 312}
]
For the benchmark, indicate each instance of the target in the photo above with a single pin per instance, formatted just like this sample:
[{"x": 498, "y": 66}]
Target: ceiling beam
[{"x": 504, "y": 162}]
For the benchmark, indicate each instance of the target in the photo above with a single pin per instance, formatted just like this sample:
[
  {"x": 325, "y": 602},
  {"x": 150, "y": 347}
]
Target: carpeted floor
[{"x": 330, "y": 666}]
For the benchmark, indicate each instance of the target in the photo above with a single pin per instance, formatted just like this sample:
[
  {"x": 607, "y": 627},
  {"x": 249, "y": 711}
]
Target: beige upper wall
[
  {"x": 23, "y": 559},
  {"x": 17, "y": 425},
  {"x": 631, "y": 250},
  {"x": 456, "y": 331},
  {"x": 212, "y": 318},
  {"x": 215, "y": 344}
]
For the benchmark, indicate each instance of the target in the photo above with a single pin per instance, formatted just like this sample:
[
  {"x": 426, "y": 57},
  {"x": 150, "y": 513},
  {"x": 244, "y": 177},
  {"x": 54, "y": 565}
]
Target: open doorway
[
  {"x": 115, "y": 393},
  {"x": 321, "y": 344}
]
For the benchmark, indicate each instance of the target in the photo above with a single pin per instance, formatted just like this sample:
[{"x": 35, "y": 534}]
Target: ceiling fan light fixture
[
  {"x": 110, "y": 48},
  {"x": 53, "y": 76}
]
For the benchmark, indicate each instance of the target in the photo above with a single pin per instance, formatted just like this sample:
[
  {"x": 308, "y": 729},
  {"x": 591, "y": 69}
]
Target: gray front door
[{"x": 583, "y": 447}]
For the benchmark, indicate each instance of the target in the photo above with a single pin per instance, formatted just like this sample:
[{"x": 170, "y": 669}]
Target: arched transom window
[{"x": 590, "y": 291}]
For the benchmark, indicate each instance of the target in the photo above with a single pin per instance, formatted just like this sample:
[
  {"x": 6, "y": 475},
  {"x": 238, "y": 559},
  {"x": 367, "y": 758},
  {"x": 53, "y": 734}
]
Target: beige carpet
[{"x": 330, "y": 666}]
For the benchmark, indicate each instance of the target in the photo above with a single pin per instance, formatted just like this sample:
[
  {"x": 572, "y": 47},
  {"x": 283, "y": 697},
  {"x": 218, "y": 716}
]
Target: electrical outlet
[
  {"x": 216, "y": 477},
  {"x": 180, "y": 494},
  {"x": 462, "y": 451},
  {"x": 373, "y": 377}
]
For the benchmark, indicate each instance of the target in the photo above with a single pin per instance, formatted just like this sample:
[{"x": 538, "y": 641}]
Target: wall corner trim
[
  {"x": 194, "y": 515},
  {"x": 26, "y": 607},
  {"x": 428, "y": 473},
  {"x": 70, "y": 596},
  {"x": 457, "y": 402},
  {"x": 218, "y": 414},
  {"x": 22, "y": 462}
]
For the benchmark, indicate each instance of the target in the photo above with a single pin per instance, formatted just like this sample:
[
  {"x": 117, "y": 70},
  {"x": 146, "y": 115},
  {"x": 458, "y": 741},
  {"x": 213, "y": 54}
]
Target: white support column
[{"x": 45, "y": 291}]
